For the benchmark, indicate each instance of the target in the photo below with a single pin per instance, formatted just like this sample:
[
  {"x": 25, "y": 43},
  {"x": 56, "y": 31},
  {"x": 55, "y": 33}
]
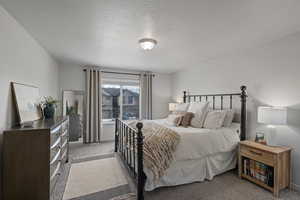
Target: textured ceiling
[{"x": 106, "y": 32}]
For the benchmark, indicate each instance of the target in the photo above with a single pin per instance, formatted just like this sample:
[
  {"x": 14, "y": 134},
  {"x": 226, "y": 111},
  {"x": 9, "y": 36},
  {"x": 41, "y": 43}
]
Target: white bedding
[
  {"x": 200, "y": 154},
  {"x": 196, "y": 143}
]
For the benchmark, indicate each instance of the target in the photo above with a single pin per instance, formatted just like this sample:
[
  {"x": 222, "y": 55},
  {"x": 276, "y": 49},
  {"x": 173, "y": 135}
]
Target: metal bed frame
[{"x": 129, "y": 141}]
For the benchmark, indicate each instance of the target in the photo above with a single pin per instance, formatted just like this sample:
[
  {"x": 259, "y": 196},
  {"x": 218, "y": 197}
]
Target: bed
[{"x": 201, "y": 153}]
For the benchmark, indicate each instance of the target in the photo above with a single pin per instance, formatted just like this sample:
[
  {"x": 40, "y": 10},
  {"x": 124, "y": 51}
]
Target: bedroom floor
[
  {"x": 78, "y": 150},
  {"x": 226, "y": 186}
]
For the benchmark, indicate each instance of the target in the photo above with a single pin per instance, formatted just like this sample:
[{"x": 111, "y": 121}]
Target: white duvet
[
  {"x": 201, "y": 154},
  {"x": 197, "y": 143}
]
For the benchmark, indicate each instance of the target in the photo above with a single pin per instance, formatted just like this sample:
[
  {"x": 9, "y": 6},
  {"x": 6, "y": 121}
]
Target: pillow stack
[{"x": 198, "y": 115}]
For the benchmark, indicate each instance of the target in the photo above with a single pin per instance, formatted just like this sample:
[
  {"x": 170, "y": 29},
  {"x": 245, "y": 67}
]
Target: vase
[{"x": 49, "y": 111}]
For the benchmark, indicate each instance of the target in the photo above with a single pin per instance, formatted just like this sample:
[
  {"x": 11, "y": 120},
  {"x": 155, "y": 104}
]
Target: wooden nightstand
[{"x": 267, "y": 166}]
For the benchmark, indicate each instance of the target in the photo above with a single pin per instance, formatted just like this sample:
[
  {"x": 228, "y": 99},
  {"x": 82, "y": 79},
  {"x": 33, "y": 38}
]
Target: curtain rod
[{"x": 126, "y": 73}]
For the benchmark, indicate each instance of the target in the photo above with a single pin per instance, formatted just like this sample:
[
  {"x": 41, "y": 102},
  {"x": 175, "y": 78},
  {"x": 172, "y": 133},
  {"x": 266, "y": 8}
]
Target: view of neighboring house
[{"x": 111, "y": 103}]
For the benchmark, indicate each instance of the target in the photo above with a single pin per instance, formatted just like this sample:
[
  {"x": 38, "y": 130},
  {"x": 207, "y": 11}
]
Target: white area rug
[
  {"x": 129, "y": 196},
  {"x": 93, "y": 176}
]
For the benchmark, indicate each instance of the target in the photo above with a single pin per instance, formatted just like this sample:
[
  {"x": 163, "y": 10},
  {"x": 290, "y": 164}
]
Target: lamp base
[{"x": 271, "y": 136}]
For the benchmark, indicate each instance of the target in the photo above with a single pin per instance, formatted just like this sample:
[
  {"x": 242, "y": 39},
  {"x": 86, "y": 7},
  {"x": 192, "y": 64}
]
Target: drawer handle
[{"x": 256, "y": 153}]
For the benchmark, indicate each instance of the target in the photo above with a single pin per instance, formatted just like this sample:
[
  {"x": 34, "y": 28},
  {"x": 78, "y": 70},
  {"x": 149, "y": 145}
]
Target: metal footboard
[{"x": 129, "y": 145}]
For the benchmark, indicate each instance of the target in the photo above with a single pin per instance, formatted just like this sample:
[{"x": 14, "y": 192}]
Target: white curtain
[
  {"x": 146, "y": 95},
  {"x": 93, "y": 110}
]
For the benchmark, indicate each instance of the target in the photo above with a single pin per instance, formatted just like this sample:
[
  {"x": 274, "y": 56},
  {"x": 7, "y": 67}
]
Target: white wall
[
  {"x": 22, "y": 60},
  {"x": 71, "y": 77},
  {"x": 271, "y": 73},
  {"x": 161, "y": 95}
]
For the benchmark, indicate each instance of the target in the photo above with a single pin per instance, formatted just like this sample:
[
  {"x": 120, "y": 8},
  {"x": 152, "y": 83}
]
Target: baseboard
[{"x": 296, "y": 187}]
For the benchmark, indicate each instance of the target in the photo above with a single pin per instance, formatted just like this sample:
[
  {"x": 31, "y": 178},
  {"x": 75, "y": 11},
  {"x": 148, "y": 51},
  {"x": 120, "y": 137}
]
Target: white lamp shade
[
  {"x": 272, "y": 115},
  {"x": 172, "y": 106}
]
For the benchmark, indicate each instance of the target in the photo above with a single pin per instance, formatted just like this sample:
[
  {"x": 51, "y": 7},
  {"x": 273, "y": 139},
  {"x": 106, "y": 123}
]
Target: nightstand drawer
[{"x": 258, "y": 155}]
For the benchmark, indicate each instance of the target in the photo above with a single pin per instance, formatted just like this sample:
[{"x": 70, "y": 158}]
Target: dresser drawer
[
  {"x": 65, "y": 125},
  {"x": 55, "y": 134},
  {"x": 56, "y": 157},
  {"x": 55, "y": 174},
  {"x": 65, "y": 134},
  {"x": 256, "y": 154},
  {"x": 55, "y": 147},
  {"x": 64, "y": 143},
  {"x": 55, "y": 143},
  {"x": 54, "y": 168},
  {"x": 64, "y": 155}
]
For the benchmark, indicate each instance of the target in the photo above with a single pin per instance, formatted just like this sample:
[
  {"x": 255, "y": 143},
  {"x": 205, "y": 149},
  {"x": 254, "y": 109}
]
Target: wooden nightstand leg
[
  {"x": 291, "y": 188},
  {"x": 276, "y": 178},
  {"x": 276, "y": 193}
]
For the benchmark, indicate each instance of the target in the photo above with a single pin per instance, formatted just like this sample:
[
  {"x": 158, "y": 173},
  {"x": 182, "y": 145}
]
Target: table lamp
[
  {"x": 272, "y": 116},
  {"x": 172, "y": 107}
]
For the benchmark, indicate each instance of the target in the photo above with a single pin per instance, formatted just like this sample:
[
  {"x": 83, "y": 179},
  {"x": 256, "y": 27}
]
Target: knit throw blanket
[{"x": 160, "y": 144}]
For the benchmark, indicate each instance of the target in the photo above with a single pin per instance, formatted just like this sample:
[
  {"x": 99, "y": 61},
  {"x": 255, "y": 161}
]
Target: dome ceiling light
[{"x": 147, "y": 43}]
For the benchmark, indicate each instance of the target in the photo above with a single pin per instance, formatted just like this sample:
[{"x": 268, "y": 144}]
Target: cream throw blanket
[{"x": 160, "y": 144}]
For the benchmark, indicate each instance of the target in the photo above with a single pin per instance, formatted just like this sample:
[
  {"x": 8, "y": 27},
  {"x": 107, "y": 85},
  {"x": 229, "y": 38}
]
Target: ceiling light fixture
[{"x": 147, "y": 43}]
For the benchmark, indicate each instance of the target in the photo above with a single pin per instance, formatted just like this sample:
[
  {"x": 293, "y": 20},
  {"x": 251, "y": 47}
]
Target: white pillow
[
  {"x": 214, "y": 119},
  {"x": 181, "y": 107},
  {"x": 199, "y": 109},
  {"x": 228, "y": 118}
]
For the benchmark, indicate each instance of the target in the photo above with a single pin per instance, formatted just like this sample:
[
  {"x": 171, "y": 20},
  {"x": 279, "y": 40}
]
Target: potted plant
[{"x": 49, "y": 104}]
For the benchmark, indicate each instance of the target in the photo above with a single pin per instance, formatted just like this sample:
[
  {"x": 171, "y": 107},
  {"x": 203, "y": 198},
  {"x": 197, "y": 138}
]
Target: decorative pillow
[
  {"x": 178, "y": 120},
  {"x": 174, "y": 119},
  {"x": 228, "y": 118},
  {"x": 214, "y": 119},
  {"x": 187, "y": 118},
  {"x": 199, "y": 109}
]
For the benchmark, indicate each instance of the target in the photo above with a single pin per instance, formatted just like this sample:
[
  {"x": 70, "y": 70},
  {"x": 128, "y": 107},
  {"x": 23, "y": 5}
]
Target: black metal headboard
[{"x": 204, "y": 97}]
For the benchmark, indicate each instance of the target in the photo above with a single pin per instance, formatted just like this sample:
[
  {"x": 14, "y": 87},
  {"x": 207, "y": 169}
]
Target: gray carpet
[
  {"x": 78, "y": 150},
  {"x": 223, "y": 187}
]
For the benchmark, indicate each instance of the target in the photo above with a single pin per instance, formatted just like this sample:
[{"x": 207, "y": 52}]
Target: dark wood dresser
[{"x": 33, "y": 159}]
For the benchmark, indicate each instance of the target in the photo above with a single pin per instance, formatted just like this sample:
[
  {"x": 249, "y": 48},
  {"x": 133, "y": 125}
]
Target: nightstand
[{"x": 266, "y": 166}]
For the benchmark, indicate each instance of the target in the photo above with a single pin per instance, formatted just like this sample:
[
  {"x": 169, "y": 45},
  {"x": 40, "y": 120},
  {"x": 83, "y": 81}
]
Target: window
[
  {"x": 120, "y": 99},
  {"x": 110, "y": 101},
  {"x": 130, "y": 100}
]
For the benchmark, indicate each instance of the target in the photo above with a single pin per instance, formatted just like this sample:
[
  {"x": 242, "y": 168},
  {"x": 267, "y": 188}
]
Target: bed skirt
[{"x": 189, "y": 171}]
